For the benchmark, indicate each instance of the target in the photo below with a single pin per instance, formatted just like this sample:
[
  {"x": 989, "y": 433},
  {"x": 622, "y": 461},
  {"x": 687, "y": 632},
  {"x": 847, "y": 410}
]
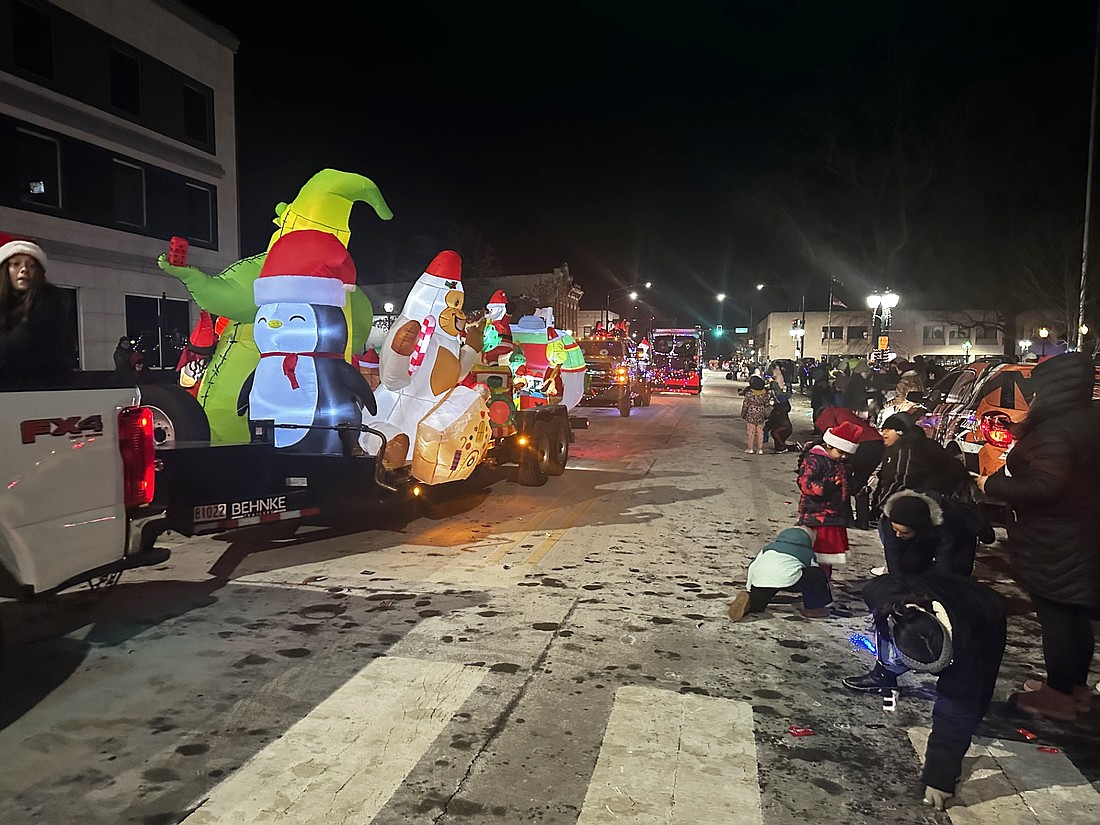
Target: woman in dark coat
[
  {"x": 34, "y": 318},
  {"x": 1052, "y": 484}
]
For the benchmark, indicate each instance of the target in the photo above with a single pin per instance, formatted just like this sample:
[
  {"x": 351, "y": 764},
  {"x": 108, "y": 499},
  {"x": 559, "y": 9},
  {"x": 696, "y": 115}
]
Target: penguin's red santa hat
[
  {"x": 446, "y": 266},
  {"x": 306, "y": 267}
]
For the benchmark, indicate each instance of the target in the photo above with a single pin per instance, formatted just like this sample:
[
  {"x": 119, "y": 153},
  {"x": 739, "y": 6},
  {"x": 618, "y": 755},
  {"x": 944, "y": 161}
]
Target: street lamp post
[
  {"x": 881, "y": 306},
  {"x": 966, "y": 349},
  {"x": 1025, "y": 345},
  {"x": 632, "y": 290},
  {"x": 752, "y": 332},
  {"x": 799, "y": 335},
  {"x": 1044, "y": 333}
]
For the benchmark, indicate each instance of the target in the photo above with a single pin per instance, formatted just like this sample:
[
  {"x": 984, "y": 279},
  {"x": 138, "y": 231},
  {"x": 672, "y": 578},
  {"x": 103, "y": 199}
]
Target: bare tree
[{"x": 1045, "y": 266}]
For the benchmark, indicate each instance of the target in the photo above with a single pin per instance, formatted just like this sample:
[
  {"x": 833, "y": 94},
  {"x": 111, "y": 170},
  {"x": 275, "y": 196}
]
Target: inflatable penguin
[
  {"x": 301, "y": 333},
  {"x": 422, "y": 359}
]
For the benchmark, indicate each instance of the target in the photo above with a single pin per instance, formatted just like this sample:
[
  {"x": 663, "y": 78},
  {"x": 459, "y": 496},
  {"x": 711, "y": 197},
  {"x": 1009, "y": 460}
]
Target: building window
[
  {"x": 160, "y": 327},
  {"x": 985, "y": 335},
  {"x": 125, "y": 83},
  {"x": 957, "y": 335},
  {"x": 200, "y": 213},
  {"x": 857, "y": 333},
  {"x": 196, "y": 114},
  {"x": 933, "y": 334},
  {"x": 32, "y": 38},
  {"x": 38, "y": 164},
  {"x": 72, "y": 320},
  {"x": 832, "y": 333},
  {"x": 129, "y": 193}
]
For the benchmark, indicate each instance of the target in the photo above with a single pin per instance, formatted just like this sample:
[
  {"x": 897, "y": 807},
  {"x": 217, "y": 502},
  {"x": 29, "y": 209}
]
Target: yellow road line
[{"x": 556, "y": 535}]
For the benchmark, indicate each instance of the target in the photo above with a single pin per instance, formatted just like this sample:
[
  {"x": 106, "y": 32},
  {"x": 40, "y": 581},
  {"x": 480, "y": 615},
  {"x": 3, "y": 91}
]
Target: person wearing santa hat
[
  {"x": 823, "y": 484},
  {"x": 35, "y": 345}
]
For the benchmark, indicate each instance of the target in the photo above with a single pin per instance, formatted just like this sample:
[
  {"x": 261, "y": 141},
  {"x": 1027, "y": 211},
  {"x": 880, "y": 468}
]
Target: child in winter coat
[
  {"x": 754, "y": 410},
  {"x": 779, "y": 423},
  {"x": 785, "y": 564},
  {"x": 823, "y": 482}
]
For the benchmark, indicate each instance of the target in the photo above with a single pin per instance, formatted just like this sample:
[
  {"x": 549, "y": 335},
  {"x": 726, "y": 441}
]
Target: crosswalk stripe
[
  {"x": 674, "y": 759},
  {"x": 1013, "y": 783},
  {"x": 343, "y": 761}
]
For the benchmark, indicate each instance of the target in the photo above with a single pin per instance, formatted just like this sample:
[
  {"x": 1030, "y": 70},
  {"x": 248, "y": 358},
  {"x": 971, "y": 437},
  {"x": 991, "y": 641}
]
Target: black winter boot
[{"x": 877, "y": 679}]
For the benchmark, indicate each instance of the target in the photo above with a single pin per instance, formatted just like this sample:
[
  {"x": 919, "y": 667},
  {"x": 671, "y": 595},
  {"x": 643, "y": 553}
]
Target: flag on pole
[{"x": 839, "y": 303}]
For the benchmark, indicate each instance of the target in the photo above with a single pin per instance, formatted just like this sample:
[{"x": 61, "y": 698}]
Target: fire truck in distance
[{"x": 677, "y": 359}]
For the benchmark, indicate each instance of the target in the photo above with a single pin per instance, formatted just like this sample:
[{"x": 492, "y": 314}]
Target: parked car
[{"x": 979, "y": 430}]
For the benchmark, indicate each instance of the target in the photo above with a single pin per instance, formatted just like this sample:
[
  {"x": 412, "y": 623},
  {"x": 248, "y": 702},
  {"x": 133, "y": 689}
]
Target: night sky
[{"x": 703, "y": 146}]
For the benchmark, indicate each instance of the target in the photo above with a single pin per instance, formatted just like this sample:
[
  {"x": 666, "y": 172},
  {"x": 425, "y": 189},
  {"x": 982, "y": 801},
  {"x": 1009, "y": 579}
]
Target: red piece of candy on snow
[
  {"x": 1028, "y": 735},
  {"x": 1042, "y": 749},
  {"x": 797, "y": 731}
]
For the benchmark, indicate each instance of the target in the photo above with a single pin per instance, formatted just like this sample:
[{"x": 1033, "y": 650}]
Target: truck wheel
[
  {"x": 559, "y": 447},
  {"x": 534, "y": 464},
  {"x": 177, "y": 416},
  {"x": 624, "y": 403},
  {"x": 647, "y": 395}
]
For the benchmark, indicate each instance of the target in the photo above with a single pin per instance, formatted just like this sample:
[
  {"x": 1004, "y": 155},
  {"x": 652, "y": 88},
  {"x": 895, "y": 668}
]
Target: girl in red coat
[{"x": 823, "y": 482}]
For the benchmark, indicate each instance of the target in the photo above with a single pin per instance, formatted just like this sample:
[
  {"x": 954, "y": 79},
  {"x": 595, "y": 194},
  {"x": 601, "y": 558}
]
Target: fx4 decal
[{"x": 74, "y": 427}]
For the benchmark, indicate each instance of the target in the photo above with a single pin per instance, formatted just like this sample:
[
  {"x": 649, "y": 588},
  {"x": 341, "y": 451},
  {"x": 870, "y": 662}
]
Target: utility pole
[{"x": 1088, "y": 191}]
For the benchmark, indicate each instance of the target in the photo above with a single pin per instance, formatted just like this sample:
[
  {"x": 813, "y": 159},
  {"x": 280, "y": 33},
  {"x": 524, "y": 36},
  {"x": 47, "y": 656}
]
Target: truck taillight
[
  {"x": 994, "y": 427},
  {"x": 135, "y": 442}
]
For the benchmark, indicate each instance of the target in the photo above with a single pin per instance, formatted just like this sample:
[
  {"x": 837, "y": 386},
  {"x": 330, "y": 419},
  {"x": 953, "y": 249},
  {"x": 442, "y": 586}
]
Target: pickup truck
[
  {"x": 77, "y": 481},
  {"x": 614, "y": 378}
]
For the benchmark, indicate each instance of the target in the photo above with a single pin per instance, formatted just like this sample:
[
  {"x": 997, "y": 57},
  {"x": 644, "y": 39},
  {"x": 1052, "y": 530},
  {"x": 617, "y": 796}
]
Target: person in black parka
[
  {"x": 913, "y": 461},
  {"x": 1051, "y": 481},
  {"x": 923, "y": 532},
  {"x": 950, "y": 626}
]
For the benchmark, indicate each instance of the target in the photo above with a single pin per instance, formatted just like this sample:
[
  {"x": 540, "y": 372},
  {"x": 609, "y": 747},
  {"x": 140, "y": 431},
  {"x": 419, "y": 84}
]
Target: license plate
[{"x": 209, "y": 512}]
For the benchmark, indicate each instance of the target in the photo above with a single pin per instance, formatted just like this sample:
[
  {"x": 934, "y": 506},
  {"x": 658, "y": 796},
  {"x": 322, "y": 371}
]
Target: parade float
[
  {"x": 677, "y": 360},
  {"x": 329, "y": 428}
]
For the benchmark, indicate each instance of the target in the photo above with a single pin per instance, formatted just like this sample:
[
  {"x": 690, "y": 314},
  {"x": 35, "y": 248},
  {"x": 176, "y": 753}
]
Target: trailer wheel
[
  {"x": 559, "y": 447},
  {"x": 534, "y": 463},
  {"x": 624, "y": 403},
  {"x": 177, "y": 416}
]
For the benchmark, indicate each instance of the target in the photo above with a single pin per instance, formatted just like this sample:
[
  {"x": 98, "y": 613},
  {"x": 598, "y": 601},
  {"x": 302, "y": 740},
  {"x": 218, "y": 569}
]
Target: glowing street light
[
  {"x": 880, "y": 306},
  {"x": 632, "y": 293},
  {"x": 1025, "y": 345}
]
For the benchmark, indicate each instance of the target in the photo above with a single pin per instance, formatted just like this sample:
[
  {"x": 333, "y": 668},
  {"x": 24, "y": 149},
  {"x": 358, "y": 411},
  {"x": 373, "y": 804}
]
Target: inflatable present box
[{"x": 452, "y": 438}]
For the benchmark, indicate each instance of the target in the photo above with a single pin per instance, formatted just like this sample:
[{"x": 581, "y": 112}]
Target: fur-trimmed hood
[{"x": 930, "y": 499}]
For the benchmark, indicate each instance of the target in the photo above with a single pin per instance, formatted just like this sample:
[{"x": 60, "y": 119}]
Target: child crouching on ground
[
  {"x": 823, "y": 482},
  {"x": 785, "y": 564}
]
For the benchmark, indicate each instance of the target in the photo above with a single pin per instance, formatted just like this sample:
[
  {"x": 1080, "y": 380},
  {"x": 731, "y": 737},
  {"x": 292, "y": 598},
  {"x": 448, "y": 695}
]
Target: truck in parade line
[
  {"x": 677, "y": 359},
  {"x": 616, "y": 377}
]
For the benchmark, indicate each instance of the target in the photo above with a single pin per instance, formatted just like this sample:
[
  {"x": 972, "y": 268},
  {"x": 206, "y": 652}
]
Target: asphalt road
[{"x": 509, "y": 654}]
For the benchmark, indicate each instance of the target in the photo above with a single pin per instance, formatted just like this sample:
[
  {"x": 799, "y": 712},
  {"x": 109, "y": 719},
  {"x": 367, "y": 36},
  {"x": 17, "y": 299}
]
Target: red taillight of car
[
  {"x": 135, "y": 442},
  {"x": 994, "y": 428}
]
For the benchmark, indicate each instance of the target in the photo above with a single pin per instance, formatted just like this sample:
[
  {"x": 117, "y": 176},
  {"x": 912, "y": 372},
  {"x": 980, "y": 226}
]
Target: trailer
[
  {"x": 212, "y": 488},
  {"x": 677, "y": 357}
]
